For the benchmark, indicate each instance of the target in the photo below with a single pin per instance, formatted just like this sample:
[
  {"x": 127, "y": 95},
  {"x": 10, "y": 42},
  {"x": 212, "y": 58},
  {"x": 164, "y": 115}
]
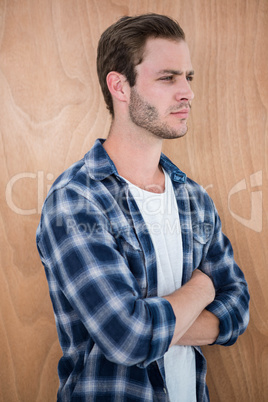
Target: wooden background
[{"x": 51, "y": 111}]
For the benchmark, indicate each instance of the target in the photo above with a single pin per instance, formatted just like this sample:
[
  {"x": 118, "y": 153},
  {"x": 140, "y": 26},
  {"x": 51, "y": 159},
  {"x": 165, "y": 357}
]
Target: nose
[{"x": 184, "y": 90}]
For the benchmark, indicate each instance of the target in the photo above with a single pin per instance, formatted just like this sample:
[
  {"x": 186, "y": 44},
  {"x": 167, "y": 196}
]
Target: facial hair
[{"x": 146, "y": 116}]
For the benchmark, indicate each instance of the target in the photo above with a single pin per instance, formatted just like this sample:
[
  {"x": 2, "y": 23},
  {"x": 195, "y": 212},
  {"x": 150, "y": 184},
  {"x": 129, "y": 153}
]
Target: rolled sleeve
[
  {"x": 163, "y": 320},
  {"x": 230, "y": 326}
]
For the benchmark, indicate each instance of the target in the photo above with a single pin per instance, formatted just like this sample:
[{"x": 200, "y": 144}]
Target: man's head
[{"x": 121, "y": 46}]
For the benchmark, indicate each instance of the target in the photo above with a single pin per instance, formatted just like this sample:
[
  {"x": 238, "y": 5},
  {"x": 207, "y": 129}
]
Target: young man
[{"x": 139, "y": 271}]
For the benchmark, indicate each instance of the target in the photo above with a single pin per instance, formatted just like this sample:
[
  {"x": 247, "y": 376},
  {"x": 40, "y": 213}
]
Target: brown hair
[{"x": 121, "y": 46}]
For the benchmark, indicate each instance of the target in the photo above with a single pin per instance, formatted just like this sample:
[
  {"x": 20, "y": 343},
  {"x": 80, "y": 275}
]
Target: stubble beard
[{"x": 146, "y": 116}]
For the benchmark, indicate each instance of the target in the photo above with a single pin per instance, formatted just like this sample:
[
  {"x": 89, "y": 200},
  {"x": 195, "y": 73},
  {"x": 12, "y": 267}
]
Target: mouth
[{"x": 182, "y": 113}]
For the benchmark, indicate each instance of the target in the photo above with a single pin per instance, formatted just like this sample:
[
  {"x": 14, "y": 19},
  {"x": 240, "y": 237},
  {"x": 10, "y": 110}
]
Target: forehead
[{"x": 165, "y": 54}]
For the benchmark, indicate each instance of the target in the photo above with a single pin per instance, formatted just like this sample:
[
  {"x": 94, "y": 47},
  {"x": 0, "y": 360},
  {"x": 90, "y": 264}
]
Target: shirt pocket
[
  {"x": 202, "y": 232},
  {"x": 130, "y": 249}
]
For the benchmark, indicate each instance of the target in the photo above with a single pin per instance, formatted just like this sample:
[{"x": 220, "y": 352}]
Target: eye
[
  {"x": 190, "y": 78},
  {"x": 167, "y": 78}
]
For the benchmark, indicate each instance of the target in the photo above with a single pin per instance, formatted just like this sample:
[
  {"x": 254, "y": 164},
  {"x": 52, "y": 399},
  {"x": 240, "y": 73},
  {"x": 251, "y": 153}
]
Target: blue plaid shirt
[{"x": 101, "y": 270}]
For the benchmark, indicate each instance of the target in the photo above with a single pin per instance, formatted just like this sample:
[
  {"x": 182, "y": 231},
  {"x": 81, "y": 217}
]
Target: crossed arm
[
  {"x": 82, "y": 269},
  {"x": 194, "y": 325}
]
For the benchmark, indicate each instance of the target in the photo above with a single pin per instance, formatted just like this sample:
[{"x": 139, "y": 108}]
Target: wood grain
[{"x": 51, "y": 112}]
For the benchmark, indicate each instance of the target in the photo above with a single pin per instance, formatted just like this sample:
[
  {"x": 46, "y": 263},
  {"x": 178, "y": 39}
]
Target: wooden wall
[{"x": 51, "y": 111}]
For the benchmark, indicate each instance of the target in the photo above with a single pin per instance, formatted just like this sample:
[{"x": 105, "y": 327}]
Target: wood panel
[{"x": 52, "y": 110}]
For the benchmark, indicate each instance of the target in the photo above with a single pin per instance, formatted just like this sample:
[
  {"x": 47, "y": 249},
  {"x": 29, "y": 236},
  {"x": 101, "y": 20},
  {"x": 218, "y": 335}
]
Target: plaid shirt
[{"x": 101, "y": 270}]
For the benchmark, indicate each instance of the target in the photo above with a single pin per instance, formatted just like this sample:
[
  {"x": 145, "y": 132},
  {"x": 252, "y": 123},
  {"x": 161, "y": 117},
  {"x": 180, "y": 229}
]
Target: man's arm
[
  {"x": 231, "y": 302},
  {"x": 91, "y": 282},
  {"x": 194, "y": 325},
  {"x": 204, "y": 331}
]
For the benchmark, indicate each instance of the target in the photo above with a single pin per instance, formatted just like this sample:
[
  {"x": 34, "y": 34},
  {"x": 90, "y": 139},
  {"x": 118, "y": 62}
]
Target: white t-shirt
[{"x": 160, "y": 213}]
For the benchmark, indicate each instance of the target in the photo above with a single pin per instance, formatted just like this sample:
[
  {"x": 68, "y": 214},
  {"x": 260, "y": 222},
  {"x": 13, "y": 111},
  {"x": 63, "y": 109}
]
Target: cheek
[{"x": 155, "y": 96}]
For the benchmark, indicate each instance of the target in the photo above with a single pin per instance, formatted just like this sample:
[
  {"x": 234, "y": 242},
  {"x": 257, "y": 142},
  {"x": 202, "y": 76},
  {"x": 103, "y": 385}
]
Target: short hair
[{"x": 122, "y": 44}]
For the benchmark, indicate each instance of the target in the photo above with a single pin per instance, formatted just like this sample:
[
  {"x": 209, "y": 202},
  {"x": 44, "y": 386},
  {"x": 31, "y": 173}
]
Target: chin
[{"x": 181, "y": 133}]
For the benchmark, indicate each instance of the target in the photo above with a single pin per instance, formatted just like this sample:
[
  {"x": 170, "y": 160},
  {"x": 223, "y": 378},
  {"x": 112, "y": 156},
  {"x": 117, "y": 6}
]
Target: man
[{"x": 139, "y": 271}]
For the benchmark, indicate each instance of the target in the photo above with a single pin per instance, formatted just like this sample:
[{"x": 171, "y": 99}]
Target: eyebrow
[{"x": 175, "y": 72}]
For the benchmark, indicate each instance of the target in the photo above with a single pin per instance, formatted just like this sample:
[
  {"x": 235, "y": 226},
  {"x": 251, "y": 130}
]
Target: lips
[{"x": 182, "y": 113}]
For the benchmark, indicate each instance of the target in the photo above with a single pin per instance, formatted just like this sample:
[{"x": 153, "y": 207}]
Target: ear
[{"x": 118, "y": 86}]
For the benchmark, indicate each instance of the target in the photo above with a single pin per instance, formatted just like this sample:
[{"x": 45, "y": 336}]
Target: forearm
[
  {"x": 189, "y": 301},
  {"x": 204, "y": 331}
]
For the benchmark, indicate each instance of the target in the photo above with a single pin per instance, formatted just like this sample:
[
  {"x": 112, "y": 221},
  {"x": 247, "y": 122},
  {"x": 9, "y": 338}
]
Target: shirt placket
[
  {"x": 184, "y": 209},
  {"x": 141, "y": 231}
]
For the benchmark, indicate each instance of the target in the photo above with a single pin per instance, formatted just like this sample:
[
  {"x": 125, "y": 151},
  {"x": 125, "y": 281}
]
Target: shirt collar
[
  {"x": 173, "y": 171},
  {"x": 98, "y": 162},
  {"x": 100, "y": 165}
]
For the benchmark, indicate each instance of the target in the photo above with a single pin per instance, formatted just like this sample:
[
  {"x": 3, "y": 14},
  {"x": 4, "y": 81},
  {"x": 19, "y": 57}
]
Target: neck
[{"x": 136, "y": 157}]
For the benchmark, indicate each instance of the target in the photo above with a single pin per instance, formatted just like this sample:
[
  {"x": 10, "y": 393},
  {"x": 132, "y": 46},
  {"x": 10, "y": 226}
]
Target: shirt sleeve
[
  {"x": 231, "y": 304},
  {"x": 77, "y": 246}
]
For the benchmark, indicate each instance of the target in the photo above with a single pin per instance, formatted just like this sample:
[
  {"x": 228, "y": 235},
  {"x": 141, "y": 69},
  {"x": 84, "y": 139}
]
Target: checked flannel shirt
[{"x": 101, "y": 270}]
